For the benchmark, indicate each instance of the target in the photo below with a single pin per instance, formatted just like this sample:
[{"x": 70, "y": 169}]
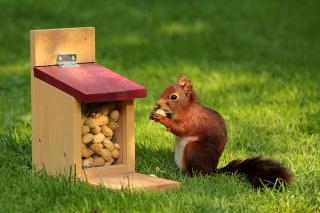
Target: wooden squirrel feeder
[{"x": 64, "y": 80}]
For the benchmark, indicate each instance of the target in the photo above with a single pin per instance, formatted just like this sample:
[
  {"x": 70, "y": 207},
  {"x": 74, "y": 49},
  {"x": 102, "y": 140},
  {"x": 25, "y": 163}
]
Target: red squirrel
[{"x": 201, "y": 136}]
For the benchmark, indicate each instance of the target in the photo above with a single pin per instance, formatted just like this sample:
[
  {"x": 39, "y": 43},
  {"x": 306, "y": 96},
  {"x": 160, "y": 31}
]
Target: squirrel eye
[{"x": 173, "y": 97}]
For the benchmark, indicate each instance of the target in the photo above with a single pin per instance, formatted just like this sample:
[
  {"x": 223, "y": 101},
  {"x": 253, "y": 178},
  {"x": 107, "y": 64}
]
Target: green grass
[{"x": 255, "y": 62}]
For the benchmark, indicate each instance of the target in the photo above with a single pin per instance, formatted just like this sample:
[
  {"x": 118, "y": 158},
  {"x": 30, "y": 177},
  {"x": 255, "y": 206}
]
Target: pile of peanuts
[{"x": 98, "y": 126}]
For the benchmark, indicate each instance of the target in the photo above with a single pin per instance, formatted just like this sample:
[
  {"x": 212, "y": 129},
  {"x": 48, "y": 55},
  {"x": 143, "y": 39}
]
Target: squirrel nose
[{"x": 158, "y": 104}]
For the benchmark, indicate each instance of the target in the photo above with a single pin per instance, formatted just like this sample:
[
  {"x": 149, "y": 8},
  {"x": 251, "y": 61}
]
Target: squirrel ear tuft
[
  {"x": 188, "y": 85},
  {"x": 181, "y": 81},
  {"x": 184, "y": 83}
]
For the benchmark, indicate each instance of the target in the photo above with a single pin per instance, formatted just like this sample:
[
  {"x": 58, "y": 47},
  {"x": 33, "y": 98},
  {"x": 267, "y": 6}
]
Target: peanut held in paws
[
  {"x": 157, "y": 114},
  {"x": 160, "y": 112}
]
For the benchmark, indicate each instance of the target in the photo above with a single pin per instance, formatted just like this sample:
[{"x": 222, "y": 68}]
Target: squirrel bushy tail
[{"x": 259, "y": 172}]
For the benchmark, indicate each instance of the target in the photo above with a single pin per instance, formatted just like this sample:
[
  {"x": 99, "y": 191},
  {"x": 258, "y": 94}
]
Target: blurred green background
[{"x": 256, "y": 62}]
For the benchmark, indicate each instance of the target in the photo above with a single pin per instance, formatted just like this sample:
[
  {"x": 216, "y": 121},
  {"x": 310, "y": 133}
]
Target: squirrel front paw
[{"x": 158, "y": 115}]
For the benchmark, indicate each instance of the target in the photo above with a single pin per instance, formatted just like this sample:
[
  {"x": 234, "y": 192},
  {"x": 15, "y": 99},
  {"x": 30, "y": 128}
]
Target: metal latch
[{"x": 67, "y": 61}]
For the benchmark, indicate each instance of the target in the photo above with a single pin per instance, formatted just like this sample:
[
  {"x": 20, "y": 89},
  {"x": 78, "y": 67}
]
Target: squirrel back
[{"x": 201, "y": 137}]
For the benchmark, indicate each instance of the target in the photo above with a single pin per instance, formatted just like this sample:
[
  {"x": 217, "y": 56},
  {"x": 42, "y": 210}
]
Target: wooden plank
[
  {"x": 36, "y": 151},
  {"x": 104, "y": 170},
  {"x": 134, "y": 181},
  {"x": 59, "y": 130},
  {"x": 47, "y": 44},
  {"x": 90, "y": 83},
  {"x": 76, "y": 158},
  {"x": 128, "y": 134}
]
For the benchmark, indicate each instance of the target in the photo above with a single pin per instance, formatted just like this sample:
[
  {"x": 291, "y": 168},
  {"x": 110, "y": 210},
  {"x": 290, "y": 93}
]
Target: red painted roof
[{"x": 90, "y": 83}]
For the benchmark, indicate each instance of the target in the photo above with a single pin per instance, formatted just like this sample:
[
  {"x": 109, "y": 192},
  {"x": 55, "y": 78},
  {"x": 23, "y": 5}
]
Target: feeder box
[{"x": 66, "y": 84}]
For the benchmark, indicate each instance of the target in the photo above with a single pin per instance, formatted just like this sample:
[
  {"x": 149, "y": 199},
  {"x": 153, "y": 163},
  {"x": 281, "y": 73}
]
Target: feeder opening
[{"x": 100, "y": 134}]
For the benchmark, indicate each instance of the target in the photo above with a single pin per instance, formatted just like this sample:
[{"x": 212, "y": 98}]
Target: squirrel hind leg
[{"x": 199, "y": 164}]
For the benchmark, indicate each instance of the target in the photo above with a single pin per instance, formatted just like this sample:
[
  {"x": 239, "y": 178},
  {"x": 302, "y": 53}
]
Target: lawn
[{"x": 256, "y": 62}]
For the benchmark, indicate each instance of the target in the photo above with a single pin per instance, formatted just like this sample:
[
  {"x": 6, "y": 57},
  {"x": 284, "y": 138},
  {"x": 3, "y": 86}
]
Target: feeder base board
[{"x": 133, "y": 181}]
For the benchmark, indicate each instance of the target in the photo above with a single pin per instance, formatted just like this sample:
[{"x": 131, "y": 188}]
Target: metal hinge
[{"x": 67, "y": 61}]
